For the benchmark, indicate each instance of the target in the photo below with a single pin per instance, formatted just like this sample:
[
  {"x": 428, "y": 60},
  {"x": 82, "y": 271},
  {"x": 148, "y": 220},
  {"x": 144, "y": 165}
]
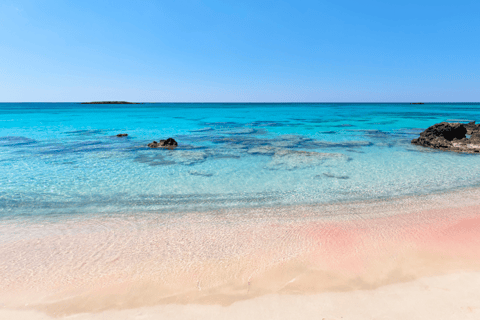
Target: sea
[{"x": 64, "y": 160}]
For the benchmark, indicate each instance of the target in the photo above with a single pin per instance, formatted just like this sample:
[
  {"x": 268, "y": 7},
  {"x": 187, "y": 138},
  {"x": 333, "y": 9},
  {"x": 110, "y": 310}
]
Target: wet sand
[{"x": 388, "y": 259}]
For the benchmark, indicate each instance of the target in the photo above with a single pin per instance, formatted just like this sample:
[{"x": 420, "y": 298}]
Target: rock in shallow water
[
  {"x": 170, "y": 143},
  {"x": 451, "y": 137},
  {"x": 472, "y": 127}
]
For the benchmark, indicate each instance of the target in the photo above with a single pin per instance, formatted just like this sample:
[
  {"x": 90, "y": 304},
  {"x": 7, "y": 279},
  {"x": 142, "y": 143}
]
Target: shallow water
[{"x": 63, "y": 159}]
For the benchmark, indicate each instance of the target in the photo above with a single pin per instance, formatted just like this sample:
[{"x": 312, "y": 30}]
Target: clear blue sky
[{"x": 252, "y": 51}]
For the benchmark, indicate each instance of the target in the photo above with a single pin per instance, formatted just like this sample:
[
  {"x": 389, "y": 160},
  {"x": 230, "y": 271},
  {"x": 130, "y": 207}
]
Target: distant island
[
  {"x": 417, "y": 103},
  {"x": 110, "y": 102}
]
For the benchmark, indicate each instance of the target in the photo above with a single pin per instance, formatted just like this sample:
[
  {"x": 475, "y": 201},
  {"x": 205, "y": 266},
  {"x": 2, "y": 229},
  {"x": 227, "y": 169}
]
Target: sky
[{"x": 240, "y": 51}]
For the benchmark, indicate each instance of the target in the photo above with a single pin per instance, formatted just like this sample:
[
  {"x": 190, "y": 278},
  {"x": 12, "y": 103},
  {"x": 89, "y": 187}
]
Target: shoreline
[{"x": 229, "y": 260}]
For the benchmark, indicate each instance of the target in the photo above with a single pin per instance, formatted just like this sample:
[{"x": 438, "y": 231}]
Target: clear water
[{"x": 64, "y": 158}]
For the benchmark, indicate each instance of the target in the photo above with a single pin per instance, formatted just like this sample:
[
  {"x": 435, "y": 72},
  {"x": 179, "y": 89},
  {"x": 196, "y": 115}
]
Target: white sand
[{"x": 454, "y": 296}]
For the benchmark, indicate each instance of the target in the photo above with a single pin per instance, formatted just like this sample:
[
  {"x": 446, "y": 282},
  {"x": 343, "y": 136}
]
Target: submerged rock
[
  {"x": 330, "y": 175},
  {"x": 263, "y": 150},
  {"x": 285, "y": 159},
  {"x": 170, "y": 143},
  {"x": 122, "y": 135},
  {"x": 200, "y": 173},
  {"x": 188, "y": 158},
  {"x": 451, "y": 137}
]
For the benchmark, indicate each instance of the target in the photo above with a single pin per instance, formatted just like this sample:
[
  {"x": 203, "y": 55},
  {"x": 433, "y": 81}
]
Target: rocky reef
[
  {"x": 170, "y": 143},
  {"x": 451, "y": 137}
]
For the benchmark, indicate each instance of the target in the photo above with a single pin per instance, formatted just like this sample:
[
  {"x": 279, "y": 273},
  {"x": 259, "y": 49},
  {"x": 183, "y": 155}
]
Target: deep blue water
[{"x": 64, "y": 159}]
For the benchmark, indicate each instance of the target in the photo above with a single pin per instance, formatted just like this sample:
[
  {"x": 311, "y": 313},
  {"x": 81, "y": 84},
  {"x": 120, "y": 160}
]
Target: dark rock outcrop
[
  {"x": 475, "y": 138},
  {"x": 446, "y": 130},
  {"x": 451, "y": 137},
  {"x": 122, "y": 135},
  {"x": 169, "y": 144},
  {"x": 472, "y": 127}
]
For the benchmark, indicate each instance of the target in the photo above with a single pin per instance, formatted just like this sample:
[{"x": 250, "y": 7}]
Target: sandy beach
[
  {"x": 390, "y": 259},
  {"x": 453, "y": 296}
]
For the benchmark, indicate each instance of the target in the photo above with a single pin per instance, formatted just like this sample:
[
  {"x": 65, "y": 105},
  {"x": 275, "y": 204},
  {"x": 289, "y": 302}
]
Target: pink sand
[{"x": 124, "y": 263}]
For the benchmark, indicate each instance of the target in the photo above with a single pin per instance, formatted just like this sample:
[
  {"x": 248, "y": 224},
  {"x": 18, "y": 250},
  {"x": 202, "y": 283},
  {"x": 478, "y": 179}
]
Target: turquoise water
[{"x": 64, "y": 158}]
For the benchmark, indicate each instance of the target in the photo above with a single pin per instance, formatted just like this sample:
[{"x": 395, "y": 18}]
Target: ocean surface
[{"x": 64, "y": 159}]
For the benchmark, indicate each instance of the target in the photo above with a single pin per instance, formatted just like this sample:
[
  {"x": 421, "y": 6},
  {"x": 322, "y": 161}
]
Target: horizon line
[{"x": 227, "y": 102}]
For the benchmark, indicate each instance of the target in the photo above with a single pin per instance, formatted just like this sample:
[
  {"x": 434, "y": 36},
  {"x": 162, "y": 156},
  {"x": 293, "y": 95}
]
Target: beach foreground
[
  {"x": 413, "y": 257},
  {"x": 453, "y": 296}
]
